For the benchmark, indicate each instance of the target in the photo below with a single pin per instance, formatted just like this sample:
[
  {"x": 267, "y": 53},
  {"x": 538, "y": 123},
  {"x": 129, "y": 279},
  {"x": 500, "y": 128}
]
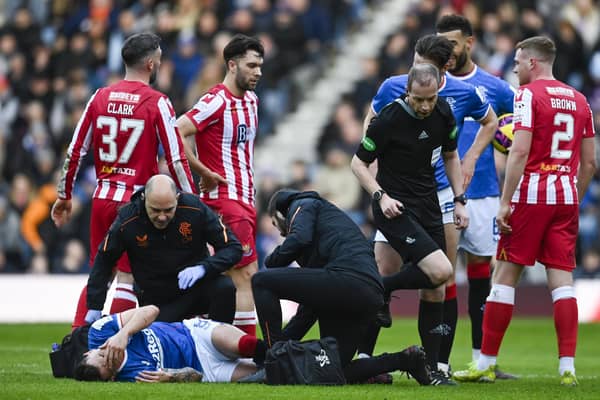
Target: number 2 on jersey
[
  {"x": 562, "y": 136},
  {"x": 109, "y": 153}
]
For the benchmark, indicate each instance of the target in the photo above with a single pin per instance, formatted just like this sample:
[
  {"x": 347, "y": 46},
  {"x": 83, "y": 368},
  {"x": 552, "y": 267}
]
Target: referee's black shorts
[{"x": 416, "y": 233}]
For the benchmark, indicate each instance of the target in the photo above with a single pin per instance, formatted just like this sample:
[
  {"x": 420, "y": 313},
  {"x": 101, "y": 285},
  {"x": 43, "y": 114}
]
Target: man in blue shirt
[
  {"x": 480, "y": 239},
  {"x": 130, "y": 346},
  {"x": 466, "y": 102}
]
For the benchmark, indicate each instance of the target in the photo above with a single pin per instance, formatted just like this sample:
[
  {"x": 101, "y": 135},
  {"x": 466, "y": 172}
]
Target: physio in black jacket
[
  {"x": 338, "y": 280},
  {"x": 165, "y": 234},
  {"x": 338, "y": 284}
]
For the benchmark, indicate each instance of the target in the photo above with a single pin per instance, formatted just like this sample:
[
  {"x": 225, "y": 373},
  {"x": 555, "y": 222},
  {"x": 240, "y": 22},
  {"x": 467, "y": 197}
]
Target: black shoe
[
  {"x": 441, "y": 378},
  {"x": 260, "y": 376},
  {"x": 383, "y": 318},
  {"x": 504, "y": 375},
  {"x": 381, "y": 379},
  {"x": 419, "y": 368}
]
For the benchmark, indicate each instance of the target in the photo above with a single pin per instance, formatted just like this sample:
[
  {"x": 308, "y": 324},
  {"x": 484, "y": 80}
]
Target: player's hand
[
  {"x": 61, "y": 212},
  {"x": 461, "y": 216},
  {"x": 210, "y": 181},
  {"x": 390, "y": 207},
  {"x": 503, "y": 217},
  {"x": 468, "y": 170},
  {"x": 115, "y": 349},
  {"x": 190, "y": 275},
  {"x": 92, "y": 316},
  {"x": 154, "y": 376}
]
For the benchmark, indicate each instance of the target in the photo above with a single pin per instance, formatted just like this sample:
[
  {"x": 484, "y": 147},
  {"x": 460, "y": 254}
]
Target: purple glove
[{"x": 190, "y": 275}]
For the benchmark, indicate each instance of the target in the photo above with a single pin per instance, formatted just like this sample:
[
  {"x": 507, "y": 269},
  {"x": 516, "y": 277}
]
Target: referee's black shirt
[{"x": 407, "y": 147}]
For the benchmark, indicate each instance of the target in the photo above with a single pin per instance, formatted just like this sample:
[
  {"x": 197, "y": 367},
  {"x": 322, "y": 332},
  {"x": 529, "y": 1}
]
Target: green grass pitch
[{"x": 529, "y": 350}]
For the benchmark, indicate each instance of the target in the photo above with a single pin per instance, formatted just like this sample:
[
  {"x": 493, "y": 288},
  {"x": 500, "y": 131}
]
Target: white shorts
[
  {"x": 482, "y": 235},
  {"x": 216, "y": 367},
  {"x": 446, "y": 200}
]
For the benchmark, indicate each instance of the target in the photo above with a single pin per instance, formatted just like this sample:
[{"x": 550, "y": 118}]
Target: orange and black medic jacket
[{"x": 157, "y": 256}]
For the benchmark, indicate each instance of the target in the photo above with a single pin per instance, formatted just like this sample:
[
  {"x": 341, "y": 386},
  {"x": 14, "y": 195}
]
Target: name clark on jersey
[{"x": 123, "y": 109}]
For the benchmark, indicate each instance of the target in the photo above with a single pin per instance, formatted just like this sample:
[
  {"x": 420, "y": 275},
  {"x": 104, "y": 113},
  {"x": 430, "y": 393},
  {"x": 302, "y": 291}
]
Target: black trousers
[
  {"x": 343, "y": 303},
  {"x": 215, "y": 297}
]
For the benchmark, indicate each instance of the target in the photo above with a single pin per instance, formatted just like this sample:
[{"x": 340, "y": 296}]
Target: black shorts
[{"x": 416, "y": 233}]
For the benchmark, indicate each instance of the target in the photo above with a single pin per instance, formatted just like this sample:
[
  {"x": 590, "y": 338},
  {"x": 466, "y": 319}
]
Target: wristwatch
[
  {"x": 460, "y": 199},
  {"x": 378, "y": 194}
]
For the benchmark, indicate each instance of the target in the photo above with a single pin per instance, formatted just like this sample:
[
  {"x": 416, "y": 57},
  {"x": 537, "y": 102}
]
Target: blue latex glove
[
  {"x": 93, "y": 315},
  {"x": 190, "y": 275}
]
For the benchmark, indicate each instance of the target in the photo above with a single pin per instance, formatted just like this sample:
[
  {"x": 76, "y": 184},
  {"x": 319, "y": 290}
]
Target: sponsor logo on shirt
[
  {"x": 423, "y": 135},
  {"x": 124, "y": 96},
  {"x": 107, "y": 169},
  {"x": 242, "y": 133}
]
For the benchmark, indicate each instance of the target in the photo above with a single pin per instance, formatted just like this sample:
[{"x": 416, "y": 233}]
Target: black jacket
[
  {"x": 320, "y": 235},
  {"x": 156, "y": 256}
]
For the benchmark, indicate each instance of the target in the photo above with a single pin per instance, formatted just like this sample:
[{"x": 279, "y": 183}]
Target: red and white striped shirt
[
  {"x": 226, "y": 129},
  {"x": 125, "y": 123},
  {"x": 558, "y": 118}
]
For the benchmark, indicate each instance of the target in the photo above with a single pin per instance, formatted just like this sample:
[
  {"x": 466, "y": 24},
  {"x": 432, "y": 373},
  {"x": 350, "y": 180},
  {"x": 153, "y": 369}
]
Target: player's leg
[
  {"x": 450, "y": 302},
  {"x": 388, "y": 262},
  {"x": 219, "y": 348},
  {"x": 241, "y": 220},
  {"x": 558, "y": 257},
  {"x": 431, "y": 312},
  {"x": 245, "y": 316},
  {"x": 519, "y": 248}
]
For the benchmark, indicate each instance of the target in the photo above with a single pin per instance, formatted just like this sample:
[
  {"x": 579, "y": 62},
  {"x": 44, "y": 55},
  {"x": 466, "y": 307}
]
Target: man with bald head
[{"x": 165, "y": 234}]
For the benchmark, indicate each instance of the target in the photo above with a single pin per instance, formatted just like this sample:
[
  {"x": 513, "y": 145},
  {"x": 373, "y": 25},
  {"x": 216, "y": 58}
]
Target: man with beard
[
  {"x": 124, "y": 123},
  {"x": 224, "y": 122}
]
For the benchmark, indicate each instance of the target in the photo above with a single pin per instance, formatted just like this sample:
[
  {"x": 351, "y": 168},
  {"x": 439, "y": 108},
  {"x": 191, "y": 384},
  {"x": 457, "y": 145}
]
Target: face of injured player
[{"x": 97, "y": 358}]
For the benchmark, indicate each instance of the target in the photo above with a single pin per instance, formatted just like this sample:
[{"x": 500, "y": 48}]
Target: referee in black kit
[{"x": 407, "y": 138}]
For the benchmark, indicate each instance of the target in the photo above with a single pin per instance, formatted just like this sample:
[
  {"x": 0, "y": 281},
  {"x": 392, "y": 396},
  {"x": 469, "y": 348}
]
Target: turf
[{"x": 529, "y": 350}]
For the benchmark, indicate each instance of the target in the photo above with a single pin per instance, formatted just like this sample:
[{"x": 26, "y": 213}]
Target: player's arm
[
  {"x": 302, "y": 218},
  {"x": 180, "y": 375},
  {"x": 371, "y": 145},
  {"x": 484, "y": 137},
  {"x": 131, "y": 322},
  {"x": 173, "y": 146},
  {"x": 454, "y": 174},
  {"x": 78, "y": 148},
  {"x": 587, "y": 165},
  {"x": 228, "y": 249},
  {"x": 515, "y": 166},
  {"x": 210, "y": 179},
  {"x": 109, "y": 251}
]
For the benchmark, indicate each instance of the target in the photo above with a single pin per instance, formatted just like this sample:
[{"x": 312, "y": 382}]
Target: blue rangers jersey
[
  {"x": 500, "y": 96},
  {"x": 463, "y": 98},
  {"x": 161, "y": 345}
]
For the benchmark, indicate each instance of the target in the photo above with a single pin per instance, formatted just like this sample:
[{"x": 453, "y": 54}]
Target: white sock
[
  {"x": 443, "y": 367},
  {"x": 566, "y": 364},
  {"x": 362, "y": 355},
  {"x": 485, "y": 362},
  {"x": 475, "y": 354}
]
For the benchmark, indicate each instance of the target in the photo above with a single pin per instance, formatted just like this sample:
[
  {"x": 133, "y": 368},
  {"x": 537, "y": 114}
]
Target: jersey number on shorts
[
  {"x": 109, "y": 152},
  {"x": 562, "y": 136}
]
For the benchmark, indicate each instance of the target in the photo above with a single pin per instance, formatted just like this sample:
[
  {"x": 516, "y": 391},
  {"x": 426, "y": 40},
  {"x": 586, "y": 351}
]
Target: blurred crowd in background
[{"x": 55, "y": 54}]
